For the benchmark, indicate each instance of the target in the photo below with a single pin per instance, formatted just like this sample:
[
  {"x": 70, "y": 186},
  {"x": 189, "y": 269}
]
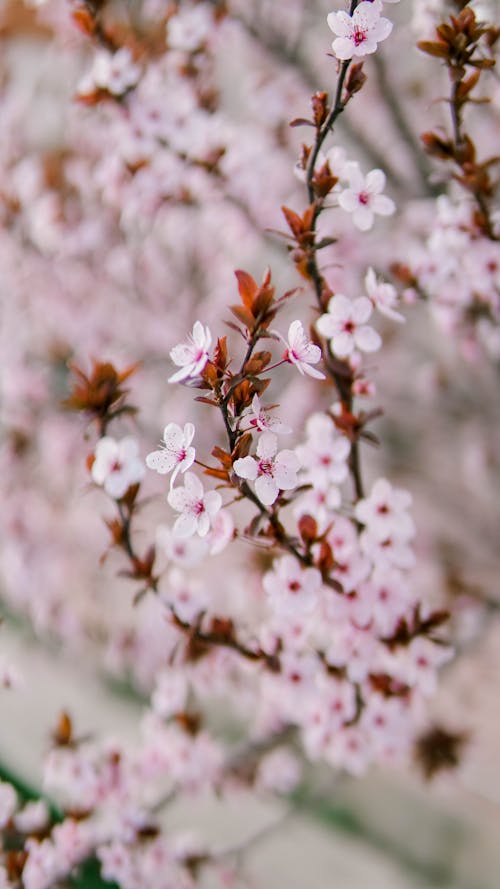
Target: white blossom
[
  {"x": 383, "y": 296},
  {"x": 363, "y": 197},
  {"x": 301, "y": 352},
  {"x": 344, "y": 324},
  {"x": 192, "y": 355},
  {"x": 175, "y": 452},
  {"x": 358, "y": 35},
  {"x": 257, "y": 417},
  {"x": 197, "y": 509},
  {"x": 271, "y": 471},
  {"x": 117, "y": 465}
]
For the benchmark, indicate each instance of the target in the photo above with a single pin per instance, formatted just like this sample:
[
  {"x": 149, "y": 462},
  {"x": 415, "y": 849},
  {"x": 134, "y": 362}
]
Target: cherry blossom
[
  {"x": 116, "y": 73},
  {"x": 259, "y": 418},
  {"x": 175, "y": 452},
  {"x": 383, "y": 296},
  {"x": 301, "y": 352},
  {"x": 117, "y": 465},
  {"x": 272, "y": 472},
  {"x": 385, "y": 511},
  {"x": 344, "y": 324},
  {"x": 323, "y": 456},
  {"x": 358, "y": 35},
  {"x": 183, "y": 551},
  {"x": 197, "y": 509},
  {"x": 292, "y": 588},
  {"x": 192, "y": 355},
  {"x": 33, "y": 817},
  {"x": 363, "y": 197}
]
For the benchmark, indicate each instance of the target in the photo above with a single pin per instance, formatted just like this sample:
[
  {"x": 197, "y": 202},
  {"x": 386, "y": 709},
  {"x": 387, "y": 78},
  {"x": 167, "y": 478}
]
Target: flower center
[
  {"x": 349, "y": 326},
  {"x": 358, "y": 36},
  {"x": 294, "y": 586},
  {"x": 364, "y": 198},
  {"x": 198, "y": 507},
  {"x": 116, "y": 466},
  {"x": 265, "y": 467}
]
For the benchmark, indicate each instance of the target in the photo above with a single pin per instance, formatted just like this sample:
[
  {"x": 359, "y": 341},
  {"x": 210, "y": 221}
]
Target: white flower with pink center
[
  {"x": 197, "y": 509},
  {"x": 192, "y": 355},
  {"x": 258, "y": 418},
  {"x": 116, "y": 73},
  {"x": 301, "y": 352},
  {"x": 292, "y": 588},
  {"x": 183, "y": 551},
  {"x": 385, "y": 512},
  {"x": 175, "y": 453},
  {"x": 272, "y": 472},
  {"x": 383, "y": 296},
  {"x": 117, "y": 465},
  {"x": 344, "y": 325},
  {"x": 323, "y": 456},
  {"x": 363, "y": 198},
  {"x": 358, "y": 35}
]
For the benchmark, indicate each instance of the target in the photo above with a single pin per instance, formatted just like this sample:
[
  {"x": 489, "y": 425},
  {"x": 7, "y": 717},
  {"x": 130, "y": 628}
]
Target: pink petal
[
  {"x": 343, "y": 48},
  {"x": 342, "y": 344},
  {"x": 375, "y": 181},
  {"x": 267, "y": 446},
  {"x": 266, "y": 489},
  {"x": 363, "y": 218},
  {"x": 367, "y": 339},
  {"x": 246, "y": 467},
  {"x": 339, "y": 307},
  {"x": 340, "y": 23},
  {"x": 285, "y": 470},
  {"x": 348, "y": 200},
  {"x": 361, "y": 309},
  {"x": 382, "y": 29},
  {"x": 161, "y": 461},
  {"x": 185, "y": 525},
  {"x": 383, "y": 205}
]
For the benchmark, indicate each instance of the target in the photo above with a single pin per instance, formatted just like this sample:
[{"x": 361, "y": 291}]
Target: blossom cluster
[{"x": 267, "y": 573}]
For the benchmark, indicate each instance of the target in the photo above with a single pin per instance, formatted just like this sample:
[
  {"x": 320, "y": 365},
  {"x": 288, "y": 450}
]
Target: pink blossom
[
  {"x": 301, "y": 351},
  {"x": 383, "y": 296},
  {"x": 183, "y": 551},
  {"x": 185, "y": 596},
  {"x": 363, "y": 197},
  {"x": 292, "y": 588},
  {"x": 221, "y": 533},
  {"x": 33, "y": 817},
  {"x": 385, "y": 511},
  {"x": 323, "y": 456},
  {"x": 344, "y": 324},
  {"x": 257, "y": 417},
  {"x": 358, "y": 35},
  {"x": 117, "y": 465},
  {"x": 192, "y": 355},
  {"x": 272, "y": 472},
  {"x": 175, "y": 452},
  {"x": 115, "y": 73},
  {"x": 197, "y": 509}
]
